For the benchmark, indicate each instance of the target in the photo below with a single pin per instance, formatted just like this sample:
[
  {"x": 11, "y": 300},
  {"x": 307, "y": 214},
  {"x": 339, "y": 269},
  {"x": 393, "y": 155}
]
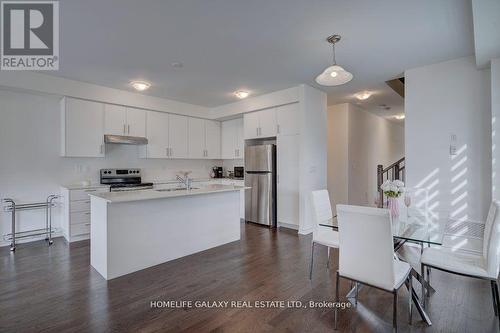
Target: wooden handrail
[{"x": 394, "y": 171}]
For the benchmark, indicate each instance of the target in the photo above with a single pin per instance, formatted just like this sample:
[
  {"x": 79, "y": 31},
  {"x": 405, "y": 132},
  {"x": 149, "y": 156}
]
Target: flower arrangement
[{"x": 393, "y": 190}]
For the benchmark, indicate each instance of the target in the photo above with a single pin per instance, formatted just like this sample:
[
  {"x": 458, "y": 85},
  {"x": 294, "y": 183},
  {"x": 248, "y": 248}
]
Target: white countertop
[
  {"x": 78, "y": 186},
  {"x": 115, "y": 197}
]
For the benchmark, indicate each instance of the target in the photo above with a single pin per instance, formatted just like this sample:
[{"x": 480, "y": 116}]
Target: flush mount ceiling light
[
  {"x": 140, "y": 85},
  {"x": 333, "y": 75},
  {"x": 241, "y": 94},
  {"x": 400, "y": 117},
  {"x": 363, "y": 95}
]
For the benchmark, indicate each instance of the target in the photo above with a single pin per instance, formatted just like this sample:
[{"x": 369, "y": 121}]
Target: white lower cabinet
[
  {"x": 75, "y": 221},
  {"x": 288, "y": 184}
]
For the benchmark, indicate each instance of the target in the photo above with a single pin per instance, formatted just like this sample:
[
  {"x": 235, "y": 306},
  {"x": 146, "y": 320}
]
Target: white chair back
[
  {"x": 491, "y": 240},
  {"x": 366, "y": 251},
  {"x": 322, "y": 209}
]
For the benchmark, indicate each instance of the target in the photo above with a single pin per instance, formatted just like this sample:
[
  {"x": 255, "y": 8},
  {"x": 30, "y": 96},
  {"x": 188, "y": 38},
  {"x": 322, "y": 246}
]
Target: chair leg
[
  {"x": 410, "y": 304},
  {"x": 328, "y": 261},
  {"x": 422, "y": 282},
  {"x": 497, "y": 297},
  {"x": 428, "y": 281},
  {"x": 395, "y": 312},
  {"x": 336, "y": 299},
  {"x": 494, "y": 297},
  {"x": 356, "y": 285},
  {"x": 312, "y": 259}
]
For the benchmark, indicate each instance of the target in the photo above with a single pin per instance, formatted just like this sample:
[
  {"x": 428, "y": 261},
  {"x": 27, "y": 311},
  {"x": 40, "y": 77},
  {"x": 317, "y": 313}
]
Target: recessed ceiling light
[
  {"x": 400, "y": 117},
  {"x": 140, "y": 85},
  {"x": 177, "y": 64},
  {"x": 363, "y": 95},
  {"x": 241, "y": 94}
]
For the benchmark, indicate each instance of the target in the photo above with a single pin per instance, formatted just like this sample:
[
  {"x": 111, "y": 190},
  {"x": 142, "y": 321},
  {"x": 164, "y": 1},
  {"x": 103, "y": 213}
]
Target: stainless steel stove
[{"x": 124, "y": 180}]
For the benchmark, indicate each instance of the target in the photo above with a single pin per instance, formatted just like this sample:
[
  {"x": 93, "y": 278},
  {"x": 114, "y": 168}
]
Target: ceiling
[{"x": 259, "y": 45}]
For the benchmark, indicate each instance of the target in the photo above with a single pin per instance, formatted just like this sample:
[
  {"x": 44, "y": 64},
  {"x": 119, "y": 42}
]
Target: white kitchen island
[{"x": 134, "y": 230}]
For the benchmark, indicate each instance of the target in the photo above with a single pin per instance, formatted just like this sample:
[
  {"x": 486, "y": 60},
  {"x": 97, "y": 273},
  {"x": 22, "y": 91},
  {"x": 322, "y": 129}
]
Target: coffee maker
[{"x": 217, "y": 171}]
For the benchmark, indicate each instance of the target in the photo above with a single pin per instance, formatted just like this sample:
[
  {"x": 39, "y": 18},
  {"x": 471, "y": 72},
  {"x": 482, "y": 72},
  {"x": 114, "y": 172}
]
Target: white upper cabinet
[
  {"x": 82, "y": 128},
  {"x": 157, "y": 133},
  {"x": 232, "y": 140},
  {"x": 287, "y": 119},
  {"x": 260, "y": 124},
  {"x": 212, "y": 139},
  {"x": 120, "y": 120},
  {"x": 136, "y": 122},
  {"x": 204, "y": 138},
  {"x": 178, "y": 136},
  {"x": 251, "y": 123},
  {"x": 267, "y": 123},
  {"x": 196, "y": 138},
  {"x": 115, "y": 119}
]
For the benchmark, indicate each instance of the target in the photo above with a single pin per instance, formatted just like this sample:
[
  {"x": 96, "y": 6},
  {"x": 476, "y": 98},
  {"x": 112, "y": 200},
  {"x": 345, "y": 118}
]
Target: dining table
[{"x": 422, "y": 229}]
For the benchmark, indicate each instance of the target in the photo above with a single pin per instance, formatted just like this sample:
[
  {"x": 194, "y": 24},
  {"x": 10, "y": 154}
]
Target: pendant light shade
[{"x": 334, "y": 75}]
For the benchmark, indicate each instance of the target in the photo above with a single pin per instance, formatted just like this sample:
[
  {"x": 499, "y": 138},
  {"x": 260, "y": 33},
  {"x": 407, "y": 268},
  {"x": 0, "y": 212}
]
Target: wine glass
[{"x": 407, "y": 204}]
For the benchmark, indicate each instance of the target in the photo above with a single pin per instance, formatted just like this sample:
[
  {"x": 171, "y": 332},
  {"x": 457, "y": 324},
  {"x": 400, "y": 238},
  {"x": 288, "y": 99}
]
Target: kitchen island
[{"x": 135, "y": 230}]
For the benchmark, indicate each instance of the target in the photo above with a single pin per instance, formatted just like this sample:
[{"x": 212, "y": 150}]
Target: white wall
[
  {"x": 373, "y": 140},
  {"x": 338, "y": 154},
  {"x": 30, "y": 165},
  {"x": 495, "y": 123},
  {"x": 358, "y": 141},
  {"x": 448, "y": 98},
  {"x": 312, "y": 151}
]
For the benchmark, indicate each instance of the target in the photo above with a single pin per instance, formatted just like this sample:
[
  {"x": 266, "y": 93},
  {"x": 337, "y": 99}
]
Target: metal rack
[{"x": 12, "y": 207}]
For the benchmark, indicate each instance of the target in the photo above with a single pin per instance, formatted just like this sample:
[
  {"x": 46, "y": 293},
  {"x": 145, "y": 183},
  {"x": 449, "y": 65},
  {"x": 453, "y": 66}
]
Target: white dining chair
[
  {"x": 484, "y": 266},
  {"x": 322, "y": 212},
  {"x": 366, "y": 253}
]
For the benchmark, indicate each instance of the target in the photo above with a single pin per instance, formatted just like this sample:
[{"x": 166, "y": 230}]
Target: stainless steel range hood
[{"x": 125, "y": 140}]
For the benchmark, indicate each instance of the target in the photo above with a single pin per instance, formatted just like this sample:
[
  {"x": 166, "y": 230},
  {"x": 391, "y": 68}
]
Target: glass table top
[{"x": 420, "y": 229}]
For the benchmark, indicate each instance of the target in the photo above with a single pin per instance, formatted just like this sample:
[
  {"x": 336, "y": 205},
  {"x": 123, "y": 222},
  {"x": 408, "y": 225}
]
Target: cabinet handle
[
  {"x": 100, "y": 149},
  {"x": 87, "y": 213},
  {"x": 87, "y": 223},
  {"x": 128, "y": 129},
  {"x": 166, "y": 151},
  {"x": 124, "y": 129},
  {"x": 90, "y": 191},
  {"x": 171, "y": 152},
  {"x": 278, "y": 129},
  {"x": 257, "y": 129}
]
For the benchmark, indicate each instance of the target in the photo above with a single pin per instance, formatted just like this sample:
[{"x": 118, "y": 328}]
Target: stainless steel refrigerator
[{"x": 260, "y": 175}]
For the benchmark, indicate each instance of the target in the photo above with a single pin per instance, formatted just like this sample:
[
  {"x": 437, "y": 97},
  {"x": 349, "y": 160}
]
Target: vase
[{"x": 393, "y": 206}]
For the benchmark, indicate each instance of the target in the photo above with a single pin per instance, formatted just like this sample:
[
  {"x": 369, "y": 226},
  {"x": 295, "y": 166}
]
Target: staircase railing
[{"x": 394, "y": 171}]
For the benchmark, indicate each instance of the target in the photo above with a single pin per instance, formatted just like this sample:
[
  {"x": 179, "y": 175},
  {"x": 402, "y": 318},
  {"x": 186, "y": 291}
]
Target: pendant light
[{"x": 333, "y": 75}]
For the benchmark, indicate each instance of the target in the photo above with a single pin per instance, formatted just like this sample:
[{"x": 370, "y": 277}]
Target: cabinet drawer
[
  {"x": 80, "y": 206},
  {"x": 79, "y": 217},
  {"x": 76, "y": 195},
  {"x": 80, "y": 229}
]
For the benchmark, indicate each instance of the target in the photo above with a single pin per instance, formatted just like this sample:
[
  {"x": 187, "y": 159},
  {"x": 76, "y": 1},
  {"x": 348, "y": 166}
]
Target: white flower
[
  {"x": 398, "y": 183},
  {"x": 393, "y": 188}
]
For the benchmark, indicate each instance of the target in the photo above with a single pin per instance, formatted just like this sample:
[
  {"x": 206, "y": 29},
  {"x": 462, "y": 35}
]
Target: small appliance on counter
[
  {"x": 239, "y": 172},
  {"x": 124, "y": 180},
  {"x": 217, "y": 172}
]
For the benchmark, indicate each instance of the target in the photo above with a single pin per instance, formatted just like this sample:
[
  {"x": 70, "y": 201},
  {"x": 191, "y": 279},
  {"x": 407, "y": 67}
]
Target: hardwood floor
[{"x": 55, "y": 290}]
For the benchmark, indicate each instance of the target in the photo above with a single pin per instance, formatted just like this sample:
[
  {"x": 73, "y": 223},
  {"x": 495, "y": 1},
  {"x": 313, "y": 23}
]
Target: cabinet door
[
  {"x": 228, "y": 139},
  {"x": 288, "y": 175},
  {"x": 136, "y": 122},
  {"x": 178, "y": 136},
  {"x": 287, "y": 119},
  {"x": 115, "y": 118},
  {"x": 196, "y": 132},
  {"x": 212, "y": 139},
  {"x": 157, "y": 129},
  {"x": 251, "y": 124},
  {"x": 240, "y": 139},
  {"x": 83, "y": 128},
  {"x": 267, "y": 123}
]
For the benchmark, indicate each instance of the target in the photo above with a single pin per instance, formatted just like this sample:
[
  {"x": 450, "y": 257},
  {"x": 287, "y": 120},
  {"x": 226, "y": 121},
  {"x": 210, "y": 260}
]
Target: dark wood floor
[{"x": 55, "y": 290}]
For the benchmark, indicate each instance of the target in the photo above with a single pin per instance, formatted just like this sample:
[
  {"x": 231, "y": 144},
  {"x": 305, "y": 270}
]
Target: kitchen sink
[{"x": 176, "y": 189}]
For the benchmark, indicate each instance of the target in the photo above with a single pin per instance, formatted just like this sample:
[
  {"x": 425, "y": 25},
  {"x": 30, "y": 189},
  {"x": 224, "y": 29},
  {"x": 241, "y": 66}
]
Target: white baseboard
[
  {"x": 288, "y": 226},
  {"x": 305, "y": 231}
]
